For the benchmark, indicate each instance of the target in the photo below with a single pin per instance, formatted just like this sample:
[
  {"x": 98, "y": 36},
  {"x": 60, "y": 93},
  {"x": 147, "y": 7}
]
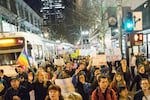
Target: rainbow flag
[{"x": 23, "y": 59}]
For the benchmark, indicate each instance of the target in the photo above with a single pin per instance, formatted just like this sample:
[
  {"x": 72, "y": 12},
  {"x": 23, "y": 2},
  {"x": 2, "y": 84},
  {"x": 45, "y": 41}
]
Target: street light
[{"x": 119, "y": 19}]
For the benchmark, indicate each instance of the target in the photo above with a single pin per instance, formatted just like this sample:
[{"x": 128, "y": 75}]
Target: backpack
[{"x": 97, "y": 96}]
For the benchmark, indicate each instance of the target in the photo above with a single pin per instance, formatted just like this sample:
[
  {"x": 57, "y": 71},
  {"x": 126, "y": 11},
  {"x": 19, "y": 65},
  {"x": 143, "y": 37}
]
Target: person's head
[
  {"x": 47, "y": 62},
  {"x": 145, "y": 61},
  {"x": 81, "y": 76},
  {"x": 141, "y": 68},
  {"x": 82, "y": 66},
  {"x": 103, "y": 82},
  {"x": 49, "y": 69},
  {"x": 97, "y": 71},
  {"x": 15, "y": 82},
  {"x": 123, "y": 62},
  {"x": 41, "y": 77},
  {"x": 41, "y": 68},
  {"x": 118, "y": 77},
  {"x": 20, "y": 69},
  {"x": 65, "y": 74},
  {"x": 69, "y": 64},
  {"x": 145, "y": 84},
  {"x": 54, "y": 92},
  {"x": 132, "y": 54},
  {"x": 59, "y": 68},
  {"x": 122, "y": 91},
  {"x": 1, "y": 72},
  {"x": 73, "y": 96}
]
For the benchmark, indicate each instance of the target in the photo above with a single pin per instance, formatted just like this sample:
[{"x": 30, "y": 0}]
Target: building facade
[
  {"x": 145, "y": 9},
  {"x": 16, "y": 15}
]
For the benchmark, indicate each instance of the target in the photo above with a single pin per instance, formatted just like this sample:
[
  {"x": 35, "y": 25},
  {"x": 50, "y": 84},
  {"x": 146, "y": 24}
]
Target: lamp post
[{"x": 119, "y": 19}]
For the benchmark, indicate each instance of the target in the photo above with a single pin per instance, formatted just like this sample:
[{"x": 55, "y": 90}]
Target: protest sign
[
  {"x": 65, "y": 85},
  {"x": 99, "y": 60},
  {"x": 59, "y": 62}
]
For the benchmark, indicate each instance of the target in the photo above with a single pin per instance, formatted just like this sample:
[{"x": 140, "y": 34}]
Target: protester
[
  {"x": 147, "y": 66},
  {"x": 102, "y": 92},
  {"x": 118, "y": 80},
  {"x": 93, "y": 79},
  {"x": 81, "y": 85},
  {"x": 54, "y": 93},
  {"x": 124, "y": 69},
  {"x": 4, "y": 83},
  {"x": 144, "y": 93},
  {"x": 123, "y": 93},
  {"x": 139, "y": 59},
  {"x": 16, "y": 91},
  {"x": 141, "y": 74},
  {"x": 133, "y": 65},
  {"x": 39, "y": 85},
  {"x": 21, "y": 73}
]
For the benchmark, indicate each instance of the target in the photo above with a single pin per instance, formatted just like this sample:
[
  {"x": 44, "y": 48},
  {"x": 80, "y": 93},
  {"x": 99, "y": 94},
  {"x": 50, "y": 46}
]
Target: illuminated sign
[
  {"x": 6, "y": 42},
  {"x": 137, "y": 39}
]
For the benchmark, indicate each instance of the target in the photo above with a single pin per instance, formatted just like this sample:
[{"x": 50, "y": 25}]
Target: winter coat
[{"x": 20, "y": 92}]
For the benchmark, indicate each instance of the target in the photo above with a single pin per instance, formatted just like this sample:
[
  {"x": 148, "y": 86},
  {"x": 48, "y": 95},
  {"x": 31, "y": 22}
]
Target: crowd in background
[{"x": 115, "y": 81}]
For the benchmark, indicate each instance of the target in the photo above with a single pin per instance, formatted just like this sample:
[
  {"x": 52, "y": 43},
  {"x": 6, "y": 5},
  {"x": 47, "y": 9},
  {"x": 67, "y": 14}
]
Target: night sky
[{"x": 34, "y": 4}]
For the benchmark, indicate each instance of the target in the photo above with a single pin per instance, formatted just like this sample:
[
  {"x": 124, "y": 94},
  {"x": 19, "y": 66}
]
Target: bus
[{"x": 12, "y": 44}]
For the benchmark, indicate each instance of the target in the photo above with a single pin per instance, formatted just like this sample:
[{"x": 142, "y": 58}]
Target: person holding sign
[{"x": 81, "y": 85}]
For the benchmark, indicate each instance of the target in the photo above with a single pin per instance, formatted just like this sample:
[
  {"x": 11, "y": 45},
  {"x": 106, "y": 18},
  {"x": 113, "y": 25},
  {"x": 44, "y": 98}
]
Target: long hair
[
  {"x": 115, "y": 84},
  {"x": 45, "y": 78},
  {"x": 115, "y": 80}
]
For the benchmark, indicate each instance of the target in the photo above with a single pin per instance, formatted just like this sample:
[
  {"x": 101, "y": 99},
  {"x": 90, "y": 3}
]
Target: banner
[
  {"x": 23, "y": 59},
  {"x": 65, "y": 85}
]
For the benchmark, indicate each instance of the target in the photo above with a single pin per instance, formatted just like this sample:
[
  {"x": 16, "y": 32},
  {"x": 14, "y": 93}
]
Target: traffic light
[
  {"x": 137, "y": 39},
  {"x": 128, "y": 23}
]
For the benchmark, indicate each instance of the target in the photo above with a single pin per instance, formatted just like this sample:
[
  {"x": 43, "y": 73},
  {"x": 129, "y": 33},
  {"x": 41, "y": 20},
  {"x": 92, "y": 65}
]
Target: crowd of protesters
[{"x": 114, "y": 81}]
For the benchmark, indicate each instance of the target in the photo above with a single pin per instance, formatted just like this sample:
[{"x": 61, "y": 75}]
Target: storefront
[{"x": 145, "y": 48}]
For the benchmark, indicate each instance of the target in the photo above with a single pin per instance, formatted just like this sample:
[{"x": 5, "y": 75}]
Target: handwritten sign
[
  {"x": 113, "y": 54},
  {"x": 99, "y": 60}
]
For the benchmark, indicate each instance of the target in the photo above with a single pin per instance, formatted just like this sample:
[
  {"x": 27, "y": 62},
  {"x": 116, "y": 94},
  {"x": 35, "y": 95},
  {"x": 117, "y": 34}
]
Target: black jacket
[
  {"x": 39, "y": 89},
  {"x": 139, "y": 95},
  {"x": 20, "y": 92}
]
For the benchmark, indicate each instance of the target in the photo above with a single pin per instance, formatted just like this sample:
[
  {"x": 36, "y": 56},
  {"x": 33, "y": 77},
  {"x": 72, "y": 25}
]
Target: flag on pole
[{"x": 23, "y": 59}]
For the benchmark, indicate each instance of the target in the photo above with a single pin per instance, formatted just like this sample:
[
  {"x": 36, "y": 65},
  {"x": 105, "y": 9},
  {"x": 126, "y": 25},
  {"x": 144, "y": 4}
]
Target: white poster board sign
[
  {"x": 59, "y": 62},
  {"x": 65, "y": 85},
  {"x": 99, "y": 60},
  {"x": 113, "y": 54}
]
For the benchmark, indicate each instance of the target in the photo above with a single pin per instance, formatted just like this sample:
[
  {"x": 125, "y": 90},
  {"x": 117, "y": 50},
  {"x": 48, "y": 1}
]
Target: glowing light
[
  {"x": 136, "y": 37},
  {"x": 7, "y": 41}
]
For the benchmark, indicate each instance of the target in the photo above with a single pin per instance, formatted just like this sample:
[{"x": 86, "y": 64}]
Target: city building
[
  {"x": 145, "y": 9},
  {"x": 16, "y": 15}
]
